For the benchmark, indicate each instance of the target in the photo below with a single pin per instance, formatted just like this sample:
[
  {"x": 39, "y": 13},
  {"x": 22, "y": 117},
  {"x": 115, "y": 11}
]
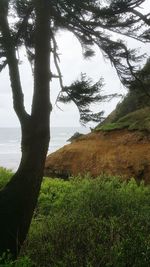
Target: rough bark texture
[{"x": 19, "y": 197}]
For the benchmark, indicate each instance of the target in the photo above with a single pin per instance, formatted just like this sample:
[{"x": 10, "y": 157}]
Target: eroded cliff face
[{"x": 119, "y": 152}]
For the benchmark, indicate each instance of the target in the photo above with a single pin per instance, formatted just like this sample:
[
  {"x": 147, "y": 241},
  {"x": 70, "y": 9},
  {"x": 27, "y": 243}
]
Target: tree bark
[{"x": 18, "y": 199}]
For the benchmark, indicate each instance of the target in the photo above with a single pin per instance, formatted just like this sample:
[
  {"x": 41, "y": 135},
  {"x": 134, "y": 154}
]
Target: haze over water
[{"x": 10, "y": 143}]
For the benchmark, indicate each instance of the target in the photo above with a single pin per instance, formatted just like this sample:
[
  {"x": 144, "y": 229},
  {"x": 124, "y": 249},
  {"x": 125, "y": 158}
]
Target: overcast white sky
[{"x": 72, "y": 64}]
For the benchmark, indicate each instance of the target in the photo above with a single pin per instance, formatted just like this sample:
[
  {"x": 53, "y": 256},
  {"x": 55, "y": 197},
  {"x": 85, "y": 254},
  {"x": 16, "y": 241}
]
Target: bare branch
[{"x": 55, "y": 55}]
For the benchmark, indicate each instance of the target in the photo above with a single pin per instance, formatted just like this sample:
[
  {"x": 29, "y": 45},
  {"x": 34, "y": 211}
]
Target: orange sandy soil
[{"x": 120, "y": 152}]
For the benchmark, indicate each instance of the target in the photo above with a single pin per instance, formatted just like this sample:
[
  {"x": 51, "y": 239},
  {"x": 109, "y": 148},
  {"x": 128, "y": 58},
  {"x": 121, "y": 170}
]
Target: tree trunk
[{"x": 19, "y": 197}]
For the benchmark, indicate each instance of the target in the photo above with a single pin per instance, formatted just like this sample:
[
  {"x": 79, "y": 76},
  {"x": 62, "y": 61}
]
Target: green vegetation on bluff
[
  {"x": 138, "y": 96},
  {"x": 133, "y": 112},
  {"x": 89, "y": 223},
  {"x": 137, "y": 120}
]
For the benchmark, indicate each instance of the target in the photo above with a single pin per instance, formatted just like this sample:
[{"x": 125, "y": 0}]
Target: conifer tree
[{"x": 34, "y": 26}]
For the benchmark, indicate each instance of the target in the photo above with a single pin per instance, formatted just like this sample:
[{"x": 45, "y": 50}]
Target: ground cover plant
[
  {"x": 89, "y": 223},
  {"x": 137, "y": 120}
]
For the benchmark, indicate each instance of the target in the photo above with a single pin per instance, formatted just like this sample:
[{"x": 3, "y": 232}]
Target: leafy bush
[
  {"x": 5, "y": 176},
  {"x": 90, "y": 223},
  {"x": 6, "y": 261}
]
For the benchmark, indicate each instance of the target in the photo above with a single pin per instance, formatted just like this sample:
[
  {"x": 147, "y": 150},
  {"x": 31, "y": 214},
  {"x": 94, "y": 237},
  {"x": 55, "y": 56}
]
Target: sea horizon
[{"x": 10, "y": 138}]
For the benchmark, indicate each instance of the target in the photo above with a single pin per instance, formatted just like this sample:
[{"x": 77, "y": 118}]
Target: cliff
[{"x": 115, "y": 152}]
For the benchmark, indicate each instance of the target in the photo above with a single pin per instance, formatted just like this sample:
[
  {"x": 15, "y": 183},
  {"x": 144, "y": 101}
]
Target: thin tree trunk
[{"x": 19, "y": 197}]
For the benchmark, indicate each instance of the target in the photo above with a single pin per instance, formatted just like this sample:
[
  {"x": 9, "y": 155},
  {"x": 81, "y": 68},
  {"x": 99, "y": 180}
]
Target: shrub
[
  {"x": 90, "y": 223},
  {"x": 5, "y": 176},
  {"x": 87, "y": 223},
  {"x": 6, "y": 261}
]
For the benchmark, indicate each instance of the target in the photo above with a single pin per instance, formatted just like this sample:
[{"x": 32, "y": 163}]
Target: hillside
[
  {"x": 136, "y": 120},
  {"x": 120, "y": 145},
  {"x": 122, "y": 149}
]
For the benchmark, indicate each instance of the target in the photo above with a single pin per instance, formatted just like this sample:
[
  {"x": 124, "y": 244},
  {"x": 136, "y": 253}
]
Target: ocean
[{"x": 10, "y": 143}]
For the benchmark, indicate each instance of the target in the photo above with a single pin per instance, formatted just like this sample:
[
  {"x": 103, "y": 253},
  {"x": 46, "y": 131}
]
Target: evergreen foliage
[
  {"x": 83, "y": 93},
  {"x": 93, "y": 23}
]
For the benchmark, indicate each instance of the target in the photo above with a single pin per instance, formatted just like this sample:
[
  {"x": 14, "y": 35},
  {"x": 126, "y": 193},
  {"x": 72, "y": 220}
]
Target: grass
[
  {"x": 87, "y": 222},
  {"x": 137, "y": 120}
]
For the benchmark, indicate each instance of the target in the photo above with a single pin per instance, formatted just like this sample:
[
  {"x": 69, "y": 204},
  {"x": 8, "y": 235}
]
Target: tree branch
[
  {"x": 8, "y": 43},
  {"x": 133, "y": 74},
  {"x": 3, "y": 65},
  {"x": 55, "y": 55},
  {"x": 140, "y": 15}
]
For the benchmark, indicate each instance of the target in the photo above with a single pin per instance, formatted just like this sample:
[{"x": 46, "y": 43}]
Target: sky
[{"x": 71, "y": 64}]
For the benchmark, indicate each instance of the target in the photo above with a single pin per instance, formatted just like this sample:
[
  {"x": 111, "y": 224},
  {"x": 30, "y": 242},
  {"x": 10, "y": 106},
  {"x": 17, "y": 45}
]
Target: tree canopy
[{"x": 100, "y": 23}]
